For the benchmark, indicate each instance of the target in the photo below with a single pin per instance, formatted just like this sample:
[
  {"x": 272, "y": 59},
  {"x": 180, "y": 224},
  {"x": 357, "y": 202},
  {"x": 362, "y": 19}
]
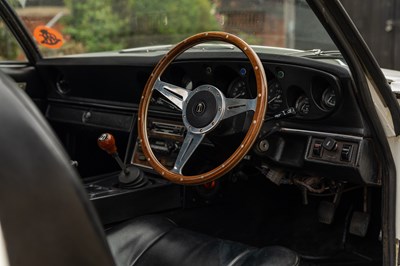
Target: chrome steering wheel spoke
[
  {"x": 234, "y": 106},
  {"x": 189, "y": 145},
  {"x": 173, "y": 93}
]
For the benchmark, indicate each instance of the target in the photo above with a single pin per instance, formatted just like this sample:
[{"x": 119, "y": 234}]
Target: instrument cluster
[{"x": 312, "y": 93}]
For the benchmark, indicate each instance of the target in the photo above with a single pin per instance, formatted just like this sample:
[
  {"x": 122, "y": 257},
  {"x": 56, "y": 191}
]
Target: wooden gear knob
[{"x": 106, "y": 142}]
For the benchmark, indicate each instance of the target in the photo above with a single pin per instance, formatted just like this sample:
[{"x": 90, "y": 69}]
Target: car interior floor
[{"x": 254, "y": 211}]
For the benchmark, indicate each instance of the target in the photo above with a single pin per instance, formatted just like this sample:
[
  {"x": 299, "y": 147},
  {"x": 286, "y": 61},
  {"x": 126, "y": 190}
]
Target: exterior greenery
[
  {"x": 9, "y": 47},
  {"x": 113, "y": 25},
  {"x": 105, "y": 25},
  {"x": 94, "y": 24}
]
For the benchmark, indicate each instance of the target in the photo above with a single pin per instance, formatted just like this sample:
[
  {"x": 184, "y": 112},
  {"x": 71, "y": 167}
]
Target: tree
[
  {"x": 168, "y": 21},
  {"x": 94, "y": 24},
  {"x": 102, "y": 25},
  {"x": 175, "y": 16},
  {"x": 9, "y": 47}
]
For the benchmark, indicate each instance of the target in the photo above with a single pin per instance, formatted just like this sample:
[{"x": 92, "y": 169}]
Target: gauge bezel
[
  {"x": 303, "y": 100},
  {"x": 320, "y": 86},
  {"x": 232, "y": 86},
  {"x": 272, "y": 93},
  {"x": 324, "y": 102}
]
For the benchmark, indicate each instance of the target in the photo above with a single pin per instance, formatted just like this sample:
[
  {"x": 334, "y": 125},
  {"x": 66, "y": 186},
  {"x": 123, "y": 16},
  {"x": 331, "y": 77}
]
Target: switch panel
[{"x": 332, "y": 150}]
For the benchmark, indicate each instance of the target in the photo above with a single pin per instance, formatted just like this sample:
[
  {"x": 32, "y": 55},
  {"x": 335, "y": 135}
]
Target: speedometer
[{"x": 275, "y": 95}]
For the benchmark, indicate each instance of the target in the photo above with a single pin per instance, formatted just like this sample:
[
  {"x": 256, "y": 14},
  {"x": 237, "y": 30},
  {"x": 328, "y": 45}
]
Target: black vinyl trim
[
  {"x": 91, "y": 103},
  {"x": 116, "y": 106},
  {"x": 343, "y": 32},
  {"x": 151, "y": 61},
  {"x": 320, "y": 134}
]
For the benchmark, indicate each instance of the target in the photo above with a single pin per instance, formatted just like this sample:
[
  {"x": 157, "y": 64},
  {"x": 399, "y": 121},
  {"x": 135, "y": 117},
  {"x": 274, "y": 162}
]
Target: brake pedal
[
  {"x": 326, "y": 209},
  {"x": 326, "y": 212}
]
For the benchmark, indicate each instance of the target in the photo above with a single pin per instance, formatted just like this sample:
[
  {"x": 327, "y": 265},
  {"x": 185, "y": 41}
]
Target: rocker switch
[
  {"x": 329, "y": 144},
  {"x": 317, "y": 148},
  {"x": 346, "y": 152}
]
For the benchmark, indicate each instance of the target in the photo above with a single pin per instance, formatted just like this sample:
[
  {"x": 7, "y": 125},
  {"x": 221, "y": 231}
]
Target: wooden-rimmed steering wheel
[{"x": 203, "y": 109}]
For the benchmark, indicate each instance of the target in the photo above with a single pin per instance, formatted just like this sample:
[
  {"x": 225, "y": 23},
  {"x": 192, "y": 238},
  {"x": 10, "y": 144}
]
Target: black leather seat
[
  {"x": 154, "y": 240},
  {"x": 46, "y": 218}
]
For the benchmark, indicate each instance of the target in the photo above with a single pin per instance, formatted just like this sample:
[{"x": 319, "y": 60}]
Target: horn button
[{"x": 203, "y": 109}]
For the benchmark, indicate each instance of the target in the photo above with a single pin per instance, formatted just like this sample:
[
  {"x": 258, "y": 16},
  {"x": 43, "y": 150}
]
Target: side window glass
[{"x": 10, "y": 50}]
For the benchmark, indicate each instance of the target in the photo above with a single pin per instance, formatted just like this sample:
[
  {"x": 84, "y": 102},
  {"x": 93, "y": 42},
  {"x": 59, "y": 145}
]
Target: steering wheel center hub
[{"x": 203, "y": 109}]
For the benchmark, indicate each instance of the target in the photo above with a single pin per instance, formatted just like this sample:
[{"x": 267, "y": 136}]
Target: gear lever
[{"x": 131, "y": 176}]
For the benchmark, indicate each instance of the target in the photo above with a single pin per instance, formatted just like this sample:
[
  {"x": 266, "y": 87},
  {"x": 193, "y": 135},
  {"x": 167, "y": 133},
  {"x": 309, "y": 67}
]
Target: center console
[
  {"x": 136, "y": 190},
  {"x": 114, "y": 203},
  {"x": 165, "y": 139}
]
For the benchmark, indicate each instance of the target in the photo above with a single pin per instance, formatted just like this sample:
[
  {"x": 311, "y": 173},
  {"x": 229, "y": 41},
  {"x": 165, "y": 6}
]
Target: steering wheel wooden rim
[{"x": 253, "y": 131}]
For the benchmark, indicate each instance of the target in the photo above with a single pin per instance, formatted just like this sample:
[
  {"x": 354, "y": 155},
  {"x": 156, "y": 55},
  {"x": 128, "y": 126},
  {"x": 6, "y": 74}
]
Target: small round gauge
[
  {"x": 237, "y": 89},
  {"x": 275, "y": 95},
  {"x": 328, "y": 100},
  {"x": 302, "y": 105}
]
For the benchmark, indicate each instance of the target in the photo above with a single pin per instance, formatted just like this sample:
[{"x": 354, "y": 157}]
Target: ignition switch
[{"x": 263, "y": 145}]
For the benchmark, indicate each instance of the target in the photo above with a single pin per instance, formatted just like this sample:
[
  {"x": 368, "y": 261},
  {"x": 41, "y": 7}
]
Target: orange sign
[{"x": 48, "y": 37}]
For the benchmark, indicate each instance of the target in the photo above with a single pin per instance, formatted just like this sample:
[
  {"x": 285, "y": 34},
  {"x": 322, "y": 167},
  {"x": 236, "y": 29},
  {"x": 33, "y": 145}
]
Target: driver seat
[
  {"x": 155, "y": 240},
  {"x": 47, "y": 219}
]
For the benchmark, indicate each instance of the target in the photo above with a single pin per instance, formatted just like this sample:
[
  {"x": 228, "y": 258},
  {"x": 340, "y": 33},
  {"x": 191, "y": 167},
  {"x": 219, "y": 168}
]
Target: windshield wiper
[
  {"x": 160, "y": 48},
  {"x": 213, "y": 47},
  {"x": 147, "y": 49},
  {"x": 318, "y": 53}
]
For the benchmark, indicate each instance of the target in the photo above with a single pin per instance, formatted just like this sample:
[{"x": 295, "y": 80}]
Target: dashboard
[{"x": 327, "y": 137}]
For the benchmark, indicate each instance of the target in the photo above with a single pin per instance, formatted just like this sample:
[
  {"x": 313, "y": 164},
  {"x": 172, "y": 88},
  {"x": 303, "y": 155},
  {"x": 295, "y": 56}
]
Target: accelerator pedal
[{"x": 359, "y": 223}]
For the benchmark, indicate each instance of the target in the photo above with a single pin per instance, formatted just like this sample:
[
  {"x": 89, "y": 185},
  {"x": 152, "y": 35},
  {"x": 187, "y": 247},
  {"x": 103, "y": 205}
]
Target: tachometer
[{"x": 238, "y": 89}]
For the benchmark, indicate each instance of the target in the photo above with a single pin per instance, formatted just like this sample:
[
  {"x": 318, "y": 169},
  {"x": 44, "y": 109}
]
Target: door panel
[
  {"x": 14, "y": 63},
  {"x": 28, "y": 79}
]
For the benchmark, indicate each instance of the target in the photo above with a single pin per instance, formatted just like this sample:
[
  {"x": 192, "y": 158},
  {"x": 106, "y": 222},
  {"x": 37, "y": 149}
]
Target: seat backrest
[{"x": 45, "y": 215}]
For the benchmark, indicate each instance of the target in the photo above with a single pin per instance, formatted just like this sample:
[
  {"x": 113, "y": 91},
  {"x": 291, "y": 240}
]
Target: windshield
[{"x": 69, "y": 27}]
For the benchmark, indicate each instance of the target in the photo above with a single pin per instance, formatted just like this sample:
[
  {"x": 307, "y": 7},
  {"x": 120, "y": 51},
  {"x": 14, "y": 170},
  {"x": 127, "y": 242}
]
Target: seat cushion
[{"x": 155, "y": 240}]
